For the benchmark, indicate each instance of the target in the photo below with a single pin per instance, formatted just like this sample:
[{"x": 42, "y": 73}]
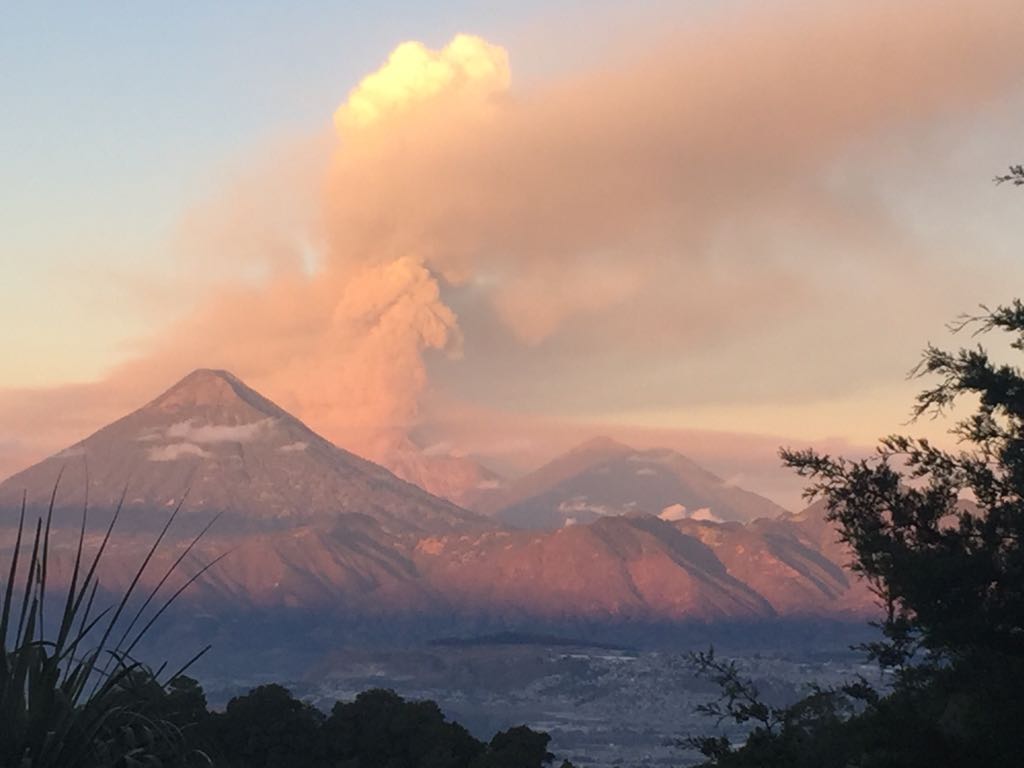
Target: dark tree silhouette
[
  {"x": 267, "y": 728},
  {"x": 380, "y": 728},
  {"x": 1015, "y": 176},
  {"x": 939, "y": 536},
  {"x": 518, "y": 747}
]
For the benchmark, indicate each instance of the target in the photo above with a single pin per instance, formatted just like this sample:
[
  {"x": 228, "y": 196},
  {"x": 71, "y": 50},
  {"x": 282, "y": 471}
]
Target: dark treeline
[{"x": 270, "y": 728}]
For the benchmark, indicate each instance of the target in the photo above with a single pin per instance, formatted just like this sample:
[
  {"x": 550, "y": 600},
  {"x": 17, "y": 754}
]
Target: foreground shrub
[{"x": 71, "y": 693}]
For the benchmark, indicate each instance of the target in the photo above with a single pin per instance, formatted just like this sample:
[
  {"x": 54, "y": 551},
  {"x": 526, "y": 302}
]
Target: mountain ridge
[
  {"x": 603, "y": 476},
  {"x": 235, "y": 452},
  {"x": 311, "y": 527}
]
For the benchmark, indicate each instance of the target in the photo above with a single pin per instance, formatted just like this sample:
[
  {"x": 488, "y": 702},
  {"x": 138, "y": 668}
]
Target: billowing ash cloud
[
  {"x": 414, "y": 74},
  {"x": 650, "y": 205}
]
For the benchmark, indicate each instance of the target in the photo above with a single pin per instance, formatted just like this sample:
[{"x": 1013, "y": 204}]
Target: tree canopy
[{"x": 938, "y": 533}]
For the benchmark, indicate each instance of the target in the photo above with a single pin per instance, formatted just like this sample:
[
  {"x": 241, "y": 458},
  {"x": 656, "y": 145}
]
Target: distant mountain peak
[
  {"x": 208, "y": 389},
  {"x": 205, "y": 381},
  {"x": 605, "y": 477},
  {"x": 236, "y": 452},
  {"x": 601, "y": 445}
]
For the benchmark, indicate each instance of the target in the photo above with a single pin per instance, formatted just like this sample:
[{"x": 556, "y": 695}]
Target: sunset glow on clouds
[
  {"x": 414, "y": 74},
  {"x": 686, "y": 236}
]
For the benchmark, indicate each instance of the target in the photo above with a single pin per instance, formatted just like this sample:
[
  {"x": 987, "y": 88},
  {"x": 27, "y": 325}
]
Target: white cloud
[
  {"x": 706, "y": 515},
  {"x": 217, "y": 433},
  {"x": 176, "y": 451},
  {"x": 292, "y": 447},
  {"x": 413, "y": 74},
  {"x": 673, "y": 512},
  {"x": 582, "y": 504}
]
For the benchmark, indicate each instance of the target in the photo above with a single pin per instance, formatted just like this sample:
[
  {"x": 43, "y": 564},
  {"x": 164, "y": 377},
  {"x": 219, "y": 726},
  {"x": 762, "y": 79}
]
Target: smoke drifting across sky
[{"x": 579, "y": 244}]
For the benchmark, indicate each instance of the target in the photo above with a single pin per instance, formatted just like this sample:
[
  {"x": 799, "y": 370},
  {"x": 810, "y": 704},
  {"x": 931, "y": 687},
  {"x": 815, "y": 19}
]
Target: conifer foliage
[{"x": 938, "y": 533}]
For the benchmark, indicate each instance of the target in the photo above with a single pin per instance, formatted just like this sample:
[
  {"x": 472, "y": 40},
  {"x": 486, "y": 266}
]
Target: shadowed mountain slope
[
  {"x": 604, "y": 477},
  {"x": 311, "y": 529},
  {"x": 236, "y": 453}
]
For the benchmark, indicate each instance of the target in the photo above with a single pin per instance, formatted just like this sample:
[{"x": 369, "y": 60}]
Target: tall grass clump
[{"x": 72, "y": 695}]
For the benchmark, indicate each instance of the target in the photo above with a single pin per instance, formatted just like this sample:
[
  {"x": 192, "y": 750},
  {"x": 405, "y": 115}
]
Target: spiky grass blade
[
  {"x": 167, "y": 575},
  {"x": 60, "y": 708}
]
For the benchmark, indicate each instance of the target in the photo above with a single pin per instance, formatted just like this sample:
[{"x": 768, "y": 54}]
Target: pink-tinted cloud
[{"x": 652, "y": 204}]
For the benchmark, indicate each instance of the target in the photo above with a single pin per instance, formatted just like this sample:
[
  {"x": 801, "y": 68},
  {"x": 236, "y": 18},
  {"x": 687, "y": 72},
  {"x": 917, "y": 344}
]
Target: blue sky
[{"x": 118, "y": 116}]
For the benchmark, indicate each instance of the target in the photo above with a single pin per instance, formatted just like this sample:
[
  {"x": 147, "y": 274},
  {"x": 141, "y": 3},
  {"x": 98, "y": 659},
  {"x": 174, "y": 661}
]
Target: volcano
[
  {"x": 603, "y": 477},
  {"x": 309, "y": 527},
  {"x": 234, "y": 453}
]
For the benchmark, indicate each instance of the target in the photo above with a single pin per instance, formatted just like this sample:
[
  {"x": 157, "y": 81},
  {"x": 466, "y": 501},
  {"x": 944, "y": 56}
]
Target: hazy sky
[
  {"x": 118, "y": 117},
  {"x": 744, "y": 218}
]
